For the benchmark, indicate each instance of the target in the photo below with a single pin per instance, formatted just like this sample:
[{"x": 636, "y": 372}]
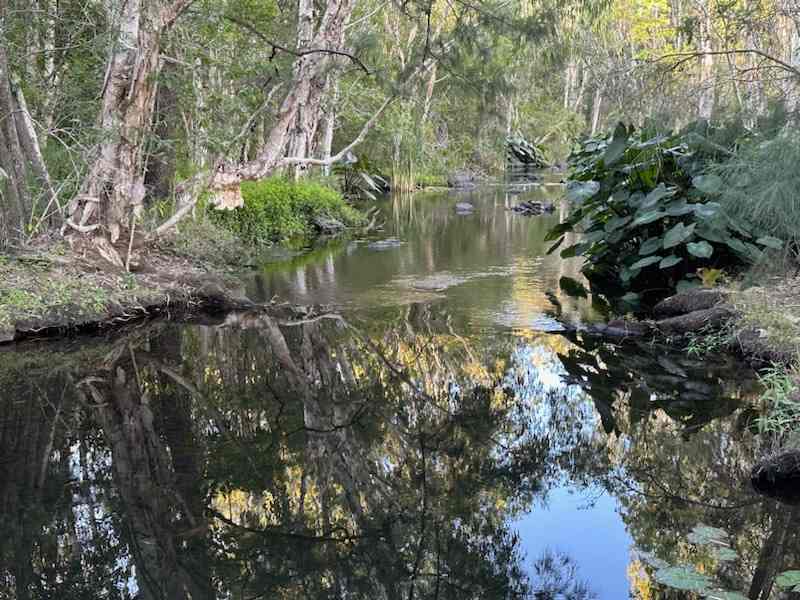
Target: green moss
[{"x": 277, "y": 209}]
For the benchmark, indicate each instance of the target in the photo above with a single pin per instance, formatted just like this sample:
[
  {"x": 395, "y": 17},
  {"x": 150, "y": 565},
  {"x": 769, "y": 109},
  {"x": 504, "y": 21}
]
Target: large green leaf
[
  {"x": 648, "y": 217},
  {"x": 559, "y": 230},
  {"x": 615, "y": 223},
  {"x": 687, "y": 284},
  {"x": 649, "y": 246},
  {"x": 770, "y": 242},
  {"x": 713, "y": 234},
  {"x": 706, "y": 211},
  {"x": 678, "y": 208},
  {"x": 656, "y": 195},
  {"x": 677, "y": 234},
  {"x": 789, "y": 579},
  {"x": 579, "y": 191},
  {"x": 700, "y": 249},
  {"x": 684, "y": 578},
  {"x": 669, "y": 261},
  {"x": 573, "y": 287},
  {"x": 708, "y": 184},
  {"x": 646, "y": 262},
  {"x": 616, "y": 148},
  {"x": 555, "y": 246}
]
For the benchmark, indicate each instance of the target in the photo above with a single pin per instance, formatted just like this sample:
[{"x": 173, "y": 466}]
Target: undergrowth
[
  {"x": 276, "y": 209},
  {"x": 781, "y": 399}
]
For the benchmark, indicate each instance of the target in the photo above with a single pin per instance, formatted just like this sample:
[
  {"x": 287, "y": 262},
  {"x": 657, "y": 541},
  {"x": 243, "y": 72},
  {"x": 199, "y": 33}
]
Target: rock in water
[
  {"x": 461, "y": 180},
  {"x": 385, "y": 244},
  {"x": 464, "y": 207},
  {"x": 778, "y": 477},
  {"x": 328, "y": 225},
  {"x": 531, "y": 207}
]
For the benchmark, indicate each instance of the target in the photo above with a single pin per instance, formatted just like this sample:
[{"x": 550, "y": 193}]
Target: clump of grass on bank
[
  {"x": 34, "y": 290},
  {"x": 276, "y": 209},
  {"x": 781, "y": 400},
  {"x": 771, "y": 314}
]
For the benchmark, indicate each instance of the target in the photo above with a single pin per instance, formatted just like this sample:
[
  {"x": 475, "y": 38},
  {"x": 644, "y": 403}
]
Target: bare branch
[
  {"x": 687, "y": 56},
  {"x": 297, "y": 53}
]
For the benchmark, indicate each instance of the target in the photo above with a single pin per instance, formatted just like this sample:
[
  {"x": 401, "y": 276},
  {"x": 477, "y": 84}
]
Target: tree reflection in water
[{"x": 297, "y": 457}]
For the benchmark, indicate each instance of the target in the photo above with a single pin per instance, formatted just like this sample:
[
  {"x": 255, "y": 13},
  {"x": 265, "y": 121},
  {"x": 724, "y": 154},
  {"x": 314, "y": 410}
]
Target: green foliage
[
  {"x": 278, "y": 209},
  {"x": 520, "y": 150},
  {"x": 714, "y": 541},
  {"x": 781, "y": 398},
  {"x": 360, "y": 179},
  {"x": 646, "y": 213},
  {"x": 759, "y": 186}
]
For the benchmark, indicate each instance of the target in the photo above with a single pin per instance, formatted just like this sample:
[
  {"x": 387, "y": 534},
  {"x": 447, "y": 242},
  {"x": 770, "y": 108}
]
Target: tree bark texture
[{"x": 113, "y": 189}]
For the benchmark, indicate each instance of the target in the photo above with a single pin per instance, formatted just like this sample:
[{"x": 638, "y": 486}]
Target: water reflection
[
  {"x": 295, "y": 456},
  {"x": 489, "y": 266}
]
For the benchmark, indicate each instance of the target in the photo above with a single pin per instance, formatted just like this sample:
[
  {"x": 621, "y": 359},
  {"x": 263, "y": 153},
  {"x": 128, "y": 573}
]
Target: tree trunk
[
  {"x": 301, "y": 102},
  {"x": 596, "y": 104},
  {"x": 13, "y": 191},
  {"x": 705, "y": 104},
  {"x": 114, "y": 189},
  {"x": 330, "y": 126}
]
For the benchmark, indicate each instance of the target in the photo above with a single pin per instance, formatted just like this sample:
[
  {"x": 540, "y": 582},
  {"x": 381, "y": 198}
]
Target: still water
[{"x": 423, "y": 431}]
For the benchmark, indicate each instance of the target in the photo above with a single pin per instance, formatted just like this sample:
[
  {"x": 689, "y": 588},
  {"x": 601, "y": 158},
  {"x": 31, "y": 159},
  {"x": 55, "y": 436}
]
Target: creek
[{"x": 429, "y": 433}]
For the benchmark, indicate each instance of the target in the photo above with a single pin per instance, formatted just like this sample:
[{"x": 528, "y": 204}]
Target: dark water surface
[{"x": 439, "y": 439}]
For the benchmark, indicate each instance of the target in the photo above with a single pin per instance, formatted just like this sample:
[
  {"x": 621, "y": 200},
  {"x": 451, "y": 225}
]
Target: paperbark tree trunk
[
  {"x": 300, "y": 105},
  {"x": 113, "y": 189}
]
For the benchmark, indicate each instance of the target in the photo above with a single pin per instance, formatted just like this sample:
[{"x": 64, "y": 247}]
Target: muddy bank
[{"x": 49, "y": 294}]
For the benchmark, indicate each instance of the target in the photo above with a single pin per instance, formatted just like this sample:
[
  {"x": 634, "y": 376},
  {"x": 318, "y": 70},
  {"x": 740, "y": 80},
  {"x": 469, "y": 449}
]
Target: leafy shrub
[
  {"x": 278, "y": 209},
  {"x": 360, "y": 179},
  {"x": 645, "y": 210},
  {"x": 760, "y": 185}
]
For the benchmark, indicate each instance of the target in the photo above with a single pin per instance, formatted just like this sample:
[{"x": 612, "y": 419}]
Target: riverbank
[{"x": 54, "y": 290}]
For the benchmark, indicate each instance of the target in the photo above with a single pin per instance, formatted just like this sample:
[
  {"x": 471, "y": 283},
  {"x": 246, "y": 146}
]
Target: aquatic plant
[{"x": 646, "y": 213}]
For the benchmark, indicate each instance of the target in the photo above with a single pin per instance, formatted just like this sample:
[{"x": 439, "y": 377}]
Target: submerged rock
[
  {"x": 385, "y": 244},
  {"x": 461, "y": 180},
  {"x": 531, "y": 207},
  {"x": 778, "y": 477},
  {"x": 464, "y": 207}
]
